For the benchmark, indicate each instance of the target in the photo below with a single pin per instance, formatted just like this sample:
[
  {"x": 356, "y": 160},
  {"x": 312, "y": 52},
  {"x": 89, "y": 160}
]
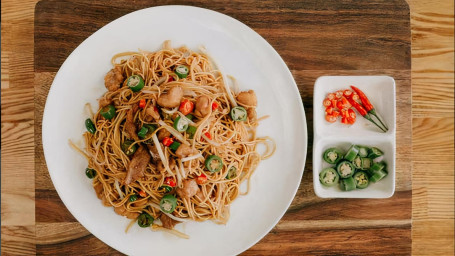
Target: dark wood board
[{"x": 314, "y": 38}]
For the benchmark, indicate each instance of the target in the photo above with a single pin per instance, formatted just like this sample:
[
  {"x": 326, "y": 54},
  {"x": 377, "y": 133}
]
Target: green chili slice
[
  {"x": 108, "y": 112},
  {"x": 180, "y": 124},
  {"x": 133, "y": 198},
  {"x": 352, "y": 153},
  {"x": 363, "y": 151},
  {"x": 191, "y": 131},
  {"x": 379, "y": 175},
  {"x": 332, "y": 155},
  {"x": 361, "y": 180},
  {"x": 182, "y": 71},
  {"x": 213, "y": 163},
  {"x": 376, "y": 167},
  {"x": 238, "y": 113},
  {"x": 345, "y": 169},
  {"x": 357, "y": 162},
  {"x": 168, "y": 203},
  {"x": 329, "y": 177},
  {"x": 166, "y": 188},
  {"x": 90, "y": 126},
  {"x": 135, "y": 83},
  {"x": 347, "y": 184},
  {"x": 91, "y": 173},
  {"x": 146, "y": 130},
  {"x": 127, "y": 148},
  {"x": 366, "y": 163},
  {"x": 375, "y": 152},
  {"x": 174, "y": 146},
  {"x": 145, "y": 220},
  {"x": 231, "y": 173}
]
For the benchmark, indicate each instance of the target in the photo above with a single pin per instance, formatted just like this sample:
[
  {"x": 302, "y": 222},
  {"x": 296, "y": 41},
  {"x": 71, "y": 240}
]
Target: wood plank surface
[
  {"x": 302, "y": 230},
  {"x": 385, "y": 50}
]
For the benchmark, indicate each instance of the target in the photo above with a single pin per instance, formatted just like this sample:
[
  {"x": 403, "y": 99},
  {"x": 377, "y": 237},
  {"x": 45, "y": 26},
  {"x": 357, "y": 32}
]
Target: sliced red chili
[
  {"x": 201, "y": 179},
  {"x": 330, "y": 118},
  {"x": 167, "y": 141},
  {"x": 142, "y": 103},
  {"x": 214, "y": 105},
  {"x": 170, "y": 181},
  {"x": 142, "y": 193},
  {"x": 186, "y": 107},
  {"x": 327, "y": 103}
]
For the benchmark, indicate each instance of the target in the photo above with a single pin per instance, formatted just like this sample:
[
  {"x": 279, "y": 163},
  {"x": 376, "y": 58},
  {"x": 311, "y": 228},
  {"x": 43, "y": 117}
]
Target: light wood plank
[{"x": 18, "y": 240}]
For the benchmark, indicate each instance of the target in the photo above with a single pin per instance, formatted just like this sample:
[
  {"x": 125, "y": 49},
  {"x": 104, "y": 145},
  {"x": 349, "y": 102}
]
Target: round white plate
[{"x": 243, "y": 54}]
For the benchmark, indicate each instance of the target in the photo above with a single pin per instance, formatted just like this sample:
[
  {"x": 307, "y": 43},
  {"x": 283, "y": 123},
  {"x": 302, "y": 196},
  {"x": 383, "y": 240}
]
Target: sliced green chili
[
  {"x": 174, "y": 146},
  {"x": 363, "y": 151},
  {"x": 108, "y": 112},
  {"x": 180, "y": 124},
  {"x": 168, "y": 203},
  {"x": 213, "y": 163},
  {"x": 135, "y": 83},
  {"x": 361, "y": 179},
  {"x": 182, "y": 71},
  {"x": 91, "y": 173},
  {"x": 90, "y": 125},
  {"x": 127, "y": 148},
  {"x": 332, "y": 155},
  {"x": 375, "y": 152},
  {"x": 379, "y": 175},
  {"x": 238, "y": 113},
  {"x": 146, "y": 130},
  {"x": 345, "y": 169},
  {"x": 377, "y": 167},
  {"x": 347, "y": 184},
  {"x": 133, "y": 198},
  {"x": 231, "y": 173},
  {"x": 357, "y": 162},
  {"x": 145, "y": 220},
  {"x": 329, "y": 177},
  {"x": 191, "y": 131},
  {"x": 352, "y": 153},
  {"x": 366, "y": 163},
  {"x": 166, "y": 188}
]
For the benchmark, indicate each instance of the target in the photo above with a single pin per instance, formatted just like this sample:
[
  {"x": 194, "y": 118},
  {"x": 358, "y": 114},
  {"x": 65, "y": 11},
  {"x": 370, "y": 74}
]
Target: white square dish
[{"x": 381, "y": 92}]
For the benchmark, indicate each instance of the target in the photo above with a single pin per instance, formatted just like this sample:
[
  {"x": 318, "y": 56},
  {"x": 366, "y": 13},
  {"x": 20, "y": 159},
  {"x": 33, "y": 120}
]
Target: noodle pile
[{"x": 235, "y": 142}]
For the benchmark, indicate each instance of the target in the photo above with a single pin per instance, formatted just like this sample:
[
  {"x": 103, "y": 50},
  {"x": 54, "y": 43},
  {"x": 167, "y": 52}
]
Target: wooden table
[{"x": 27, "y": 231}]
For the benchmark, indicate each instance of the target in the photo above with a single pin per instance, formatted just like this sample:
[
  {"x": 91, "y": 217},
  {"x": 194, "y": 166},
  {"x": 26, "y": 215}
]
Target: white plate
[
  {"x": 242, "y": 53},
  {"x": 381, "y": 92}
]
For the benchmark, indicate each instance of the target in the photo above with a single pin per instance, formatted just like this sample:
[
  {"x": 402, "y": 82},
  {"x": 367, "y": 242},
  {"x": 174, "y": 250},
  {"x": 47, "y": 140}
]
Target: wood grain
[
  {"x": 384, "y": 51},
  {"x": 432, "y": 109}
]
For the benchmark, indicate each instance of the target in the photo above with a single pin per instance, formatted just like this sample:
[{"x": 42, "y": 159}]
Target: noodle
[{"x": 216, "y": 133}]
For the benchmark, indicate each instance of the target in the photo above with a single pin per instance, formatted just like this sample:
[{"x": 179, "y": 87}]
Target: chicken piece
[
  {"x": 251, "y": 112},
  {"x": 184, "y": 151},
  {"x": 202, "y": 107},
  {"x": 160, "y": 166},
  {"x": 130, "y": 127},
  {"x": 162, "y": 134},
  {"x": 137, "y": 165},
  {"x": 189, "y": 189},
  {"x": 104, "y": 101},
  {"x": 168, "y": 222},
  {"x": 121, "y": 210},
  {"x": 172, "y": 98},
  {"x": 247, "y": 99},
  {"x": 114, "y": 79},
  {"x": 151, "y": 113}
]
